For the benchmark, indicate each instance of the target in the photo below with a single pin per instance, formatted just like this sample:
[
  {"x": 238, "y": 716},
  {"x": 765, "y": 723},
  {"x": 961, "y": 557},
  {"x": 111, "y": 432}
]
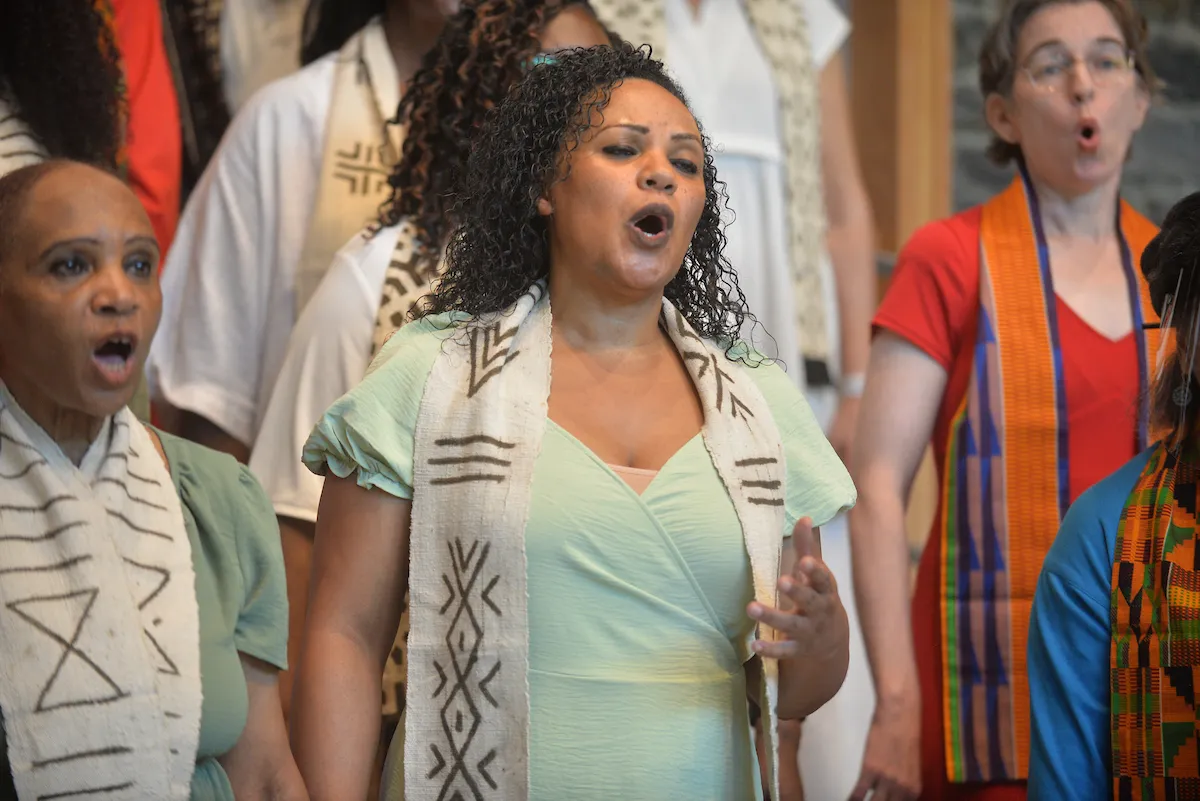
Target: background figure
[
  {"x": 302, "y": 168},
  {"x": 778, "y": 113},
  {"x": 87, "y": 80},
  {"x": 156, "y": 558},
  {"x": 1110, "y": 637},
  {"x": 377, "y": 278},
  {"x": 1026, "y": 365},
  {"x": 221, "y": 53}
]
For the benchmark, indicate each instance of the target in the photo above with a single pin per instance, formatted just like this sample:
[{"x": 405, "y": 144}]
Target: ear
[
  {"x": 999, "y": 118},
  {"x": 1141, "y": 106},
  {"x": 545, "y": 207}
]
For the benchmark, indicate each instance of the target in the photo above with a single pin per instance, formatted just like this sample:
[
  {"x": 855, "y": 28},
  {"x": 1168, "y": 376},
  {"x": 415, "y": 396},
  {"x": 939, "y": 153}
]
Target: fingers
[
  {"x": 866, "y": 784},
  {"x": 815, "y": 574},
  {"x": 804, "y": 539}
]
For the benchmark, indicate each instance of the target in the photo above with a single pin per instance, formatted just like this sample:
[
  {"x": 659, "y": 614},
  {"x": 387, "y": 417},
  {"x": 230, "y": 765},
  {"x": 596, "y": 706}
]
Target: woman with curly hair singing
[
  {"x": 587, "y": 508},
  {"x": 377, "y": 277}
]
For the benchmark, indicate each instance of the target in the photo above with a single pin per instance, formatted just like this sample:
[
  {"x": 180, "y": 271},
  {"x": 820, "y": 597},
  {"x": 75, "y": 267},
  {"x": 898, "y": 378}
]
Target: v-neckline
[
  {"x": 699, "y": 435},
  {"x": 1091, "y": 328}
]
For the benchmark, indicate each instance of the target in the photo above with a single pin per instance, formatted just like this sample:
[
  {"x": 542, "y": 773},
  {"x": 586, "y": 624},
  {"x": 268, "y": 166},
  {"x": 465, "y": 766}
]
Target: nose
[
  {"x": 656, "y": 174},
  {"x": 1083, "y": 86},
  {"x": 115, "y": 294}
]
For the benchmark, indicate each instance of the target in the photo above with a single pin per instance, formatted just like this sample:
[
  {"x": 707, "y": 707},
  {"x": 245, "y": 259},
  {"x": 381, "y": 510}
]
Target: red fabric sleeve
[
  {"x": 152, "y": 138},
  {"x": 934, "y": 290}
]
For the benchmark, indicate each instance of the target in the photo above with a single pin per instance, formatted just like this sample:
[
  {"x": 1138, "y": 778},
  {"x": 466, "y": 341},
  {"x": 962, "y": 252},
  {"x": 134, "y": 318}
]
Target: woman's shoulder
[
  {"x": 950, "y": 242},
  {"x": 218, "y": 489}
]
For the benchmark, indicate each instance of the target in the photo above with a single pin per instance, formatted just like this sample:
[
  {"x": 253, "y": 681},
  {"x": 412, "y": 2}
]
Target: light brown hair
[{"x": 998, "y": 56}]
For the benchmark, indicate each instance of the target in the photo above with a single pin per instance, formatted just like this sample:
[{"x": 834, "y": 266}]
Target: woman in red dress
[{"x": 1012, "y": 337}]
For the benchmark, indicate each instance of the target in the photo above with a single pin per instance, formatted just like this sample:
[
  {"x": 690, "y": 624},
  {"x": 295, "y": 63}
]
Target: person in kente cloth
[{"x": 1113, "y": 640}]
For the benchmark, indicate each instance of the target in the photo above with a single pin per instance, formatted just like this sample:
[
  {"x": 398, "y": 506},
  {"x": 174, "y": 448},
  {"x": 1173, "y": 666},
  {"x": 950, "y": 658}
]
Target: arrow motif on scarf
[{"x": 491, "y": 351}]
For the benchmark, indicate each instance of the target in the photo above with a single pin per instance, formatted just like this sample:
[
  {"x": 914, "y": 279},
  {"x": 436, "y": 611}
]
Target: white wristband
[{"x": 851, "y": 385}]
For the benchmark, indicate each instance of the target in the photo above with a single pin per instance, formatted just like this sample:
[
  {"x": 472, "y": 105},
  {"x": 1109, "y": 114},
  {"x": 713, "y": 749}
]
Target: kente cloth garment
[
  {"x": 1155, "y": 638},
  {"x": 782, "y": 33},
  {"x": 359, "y": 153},
  {"x": 97, "y": 594},
  {"x": 1000, "y": 507}
]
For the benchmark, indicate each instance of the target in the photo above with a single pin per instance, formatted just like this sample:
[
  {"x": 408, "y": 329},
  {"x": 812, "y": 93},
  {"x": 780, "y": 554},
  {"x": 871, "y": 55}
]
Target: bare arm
[
  {"x": 359, "y": 576},
  {"x": 904, "y": 390},
  {"x": 260, "y": 767},
  {"x": 297, "y": 538},
  {"x": 850, "y": 237}
]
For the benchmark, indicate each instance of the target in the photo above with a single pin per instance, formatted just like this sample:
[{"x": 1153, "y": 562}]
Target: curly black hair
[
  {"x": 1170, "y": 263},
  {"x": 59, "y": 68},
  {"x": 502, "y": 246},
  {"x": 482, "y": 52}
]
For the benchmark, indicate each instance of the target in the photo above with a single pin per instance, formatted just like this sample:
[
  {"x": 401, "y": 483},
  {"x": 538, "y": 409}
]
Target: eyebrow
[
  {"x": 642, "y": 129},
  {"x": 1058, "y": 43},
  {"x": 140, "y": 239}
]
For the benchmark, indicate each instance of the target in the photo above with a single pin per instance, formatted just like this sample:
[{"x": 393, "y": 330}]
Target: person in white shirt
[
  {"x": 767, "y": 79},
  {"x": 381, "y": 273},
  {"x": 302, "y": 167}
]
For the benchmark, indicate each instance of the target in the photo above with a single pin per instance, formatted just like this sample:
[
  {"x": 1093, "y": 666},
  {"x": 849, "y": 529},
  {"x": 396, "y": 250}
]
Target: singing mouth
[
  {"x": 114, "y": 353},
  {"x": 654, "y": 222}
]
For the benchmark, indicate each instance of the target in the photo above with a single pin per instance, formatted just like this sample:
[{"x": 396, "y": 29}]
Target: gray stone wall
[{"x": 1166, "y": 154}]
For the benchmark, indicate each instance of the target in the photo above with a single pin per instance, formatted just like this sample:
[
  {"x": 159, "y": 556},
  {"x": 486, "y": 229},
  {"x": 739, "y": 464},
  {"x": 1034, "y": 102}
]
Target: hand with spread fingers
[{"x": 812, "y": 631}]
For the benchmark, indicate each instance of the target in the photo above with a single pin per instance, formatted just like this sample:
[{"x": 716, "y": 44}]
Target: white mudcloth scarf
[
  {"x": 782, "y": 33},
  {"x": 18, "y": 146},
  {"x": 98, "y": 599},
  {"x": 479, "y": 432},
  {"x": 359, "y": 153}
]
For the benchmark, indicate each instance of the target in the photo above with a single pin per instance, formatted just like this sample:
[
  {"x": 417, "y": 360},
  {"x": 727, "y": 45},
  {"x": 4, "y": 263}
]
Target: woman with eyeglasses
[{"x": 1013, "y": 337}]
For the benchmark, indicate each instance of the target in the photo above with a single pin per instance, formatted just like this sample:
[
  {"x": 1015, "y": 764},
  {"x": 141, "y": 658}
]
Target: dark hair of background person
[
  {"x": 482, "y": 52},
  {"x": 59, "y": 68},
  {"x": 998, "y": 65},
  {"x": 328, "y": 24},
  {"x": 502, "y": 246},
  {"x": 1170, "y": 264}
]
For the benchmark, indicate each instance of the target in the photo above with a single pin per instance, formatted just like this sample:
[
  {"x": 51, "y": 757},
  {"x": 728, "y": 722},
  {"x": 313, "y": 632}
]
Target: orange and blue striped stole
[
  {"x": 1006, "y": 484},
  {"x": 1155, "y": 661}
]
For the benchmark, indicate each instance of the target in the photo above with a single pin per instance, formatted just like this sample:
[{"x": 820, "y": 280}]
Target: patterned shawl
[
  {"x": 478, "y": 435},
  {"x": 1155, "y": 659},
  {"x": 1006, "y": 481},
  {"x": 97, "y": 594}
]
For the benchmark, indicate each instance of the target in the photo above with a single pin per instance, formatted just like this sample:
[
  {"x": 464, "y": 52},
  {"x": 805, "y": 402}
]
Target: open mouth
[
  {"x": 652, "y": 224},
  {"x": 114, "y": 355},
  {"x": 1089, "y": 136}
]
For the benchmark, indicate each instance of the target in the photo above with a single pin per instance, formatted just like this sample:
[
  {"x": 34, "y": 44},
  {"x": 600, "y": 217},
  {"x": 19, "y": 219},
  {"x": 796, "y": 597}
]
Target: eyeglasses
[{"x": 1053, "y": 71}]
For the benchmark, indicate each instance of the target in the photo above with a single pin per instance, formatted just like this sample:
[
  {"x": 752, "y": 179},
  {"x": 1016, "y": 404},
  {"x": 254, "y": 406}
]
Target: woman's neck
[
  {"x": 73, "y": 431},
  {"x": 411, "y": 27},
  {"x": 590, "y": 323},
  {"x": 1091, "y": 215}
]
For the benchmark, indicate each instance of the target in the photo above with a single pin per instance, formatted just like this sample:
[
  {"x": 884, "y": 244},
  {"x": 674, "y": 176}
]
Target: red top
[
  {"x": 933, "y": 302},
  {"x": 153, "y": 140}
]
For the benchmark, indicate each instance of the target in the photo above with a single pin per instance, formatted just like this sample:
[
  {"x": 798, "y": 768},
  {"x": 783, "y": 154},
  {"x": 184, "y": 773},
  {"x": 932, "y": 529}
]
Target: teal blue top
[
  {"x": 241, "y": 591},
  {"x": 638, "y": 630},
  {"x": 1070, "y": 640}
]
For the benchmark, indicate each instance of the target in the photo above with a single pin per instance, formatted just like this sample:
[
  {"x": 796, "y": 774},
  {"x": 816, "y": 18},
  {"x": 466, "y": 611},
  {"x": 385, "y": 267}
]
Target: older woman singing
[{"x": 141, "y": 580}]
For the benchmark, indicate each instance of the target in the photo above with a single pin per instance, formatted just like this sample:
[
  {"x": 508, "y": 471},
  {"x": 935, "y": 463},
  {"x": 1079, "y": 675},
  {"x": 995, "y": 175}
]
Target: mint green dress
[
  {"x": 638, "y": 631},
  {"x": 241, "y": 591}
]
